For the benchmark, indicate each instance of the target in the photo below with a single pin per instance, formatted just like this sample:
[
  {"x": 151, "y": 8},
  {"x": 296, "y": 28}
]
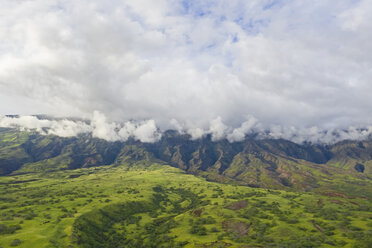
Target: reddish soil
[
  {"x": 238, "y": 227},
  {"x": 249, "y": 246},
  {"x": 216, "y": 244},
  {"x": 337, "y": 202},
  {"x": 334, "y": 194},
  {"x": 196, "y": 212},
  {"x": 238, "y": 205},
  {"x": 317, "y": 226}
]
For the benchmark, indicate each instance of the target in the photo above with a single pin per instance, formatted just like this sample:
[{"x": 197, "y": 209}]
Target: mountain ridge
[{"x": 267, "y": 163}]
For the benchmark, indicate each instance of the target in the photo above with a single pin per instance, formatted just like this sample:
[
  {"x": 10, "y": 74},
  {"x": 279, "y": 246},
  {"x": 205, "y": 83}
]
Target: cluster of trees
[
  {"x": 95, "y": 228},
  {"x": 98, "y": 226},
  {"x": 198, "y": 228},
  {"x": 26, "y": 213},
  {"x": 4, "y": 229},
  {"x": 161, "y": 200}
]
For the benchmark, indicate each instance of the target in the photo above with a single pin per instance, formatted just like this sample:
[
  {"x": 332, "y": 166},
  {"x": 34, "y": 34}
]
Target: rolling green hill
[
  {"x": 160, "y": 206},
  {"x": 87, "y": 192}
]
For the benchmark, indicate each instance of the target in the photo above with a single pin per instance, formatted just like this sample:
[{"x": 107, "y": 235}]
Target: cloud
[
  {"x": 203, "y": 66},
  {"x": 102, "y": 129},
  {"x": 217, "y": 129},
  {"x": 147, "y": 131},
  {"x": 144, "y": 131},
  {"x": 238, "y": 134},
  {"x": 97, "y": 126},
  {"x": 63, "y": 128}
]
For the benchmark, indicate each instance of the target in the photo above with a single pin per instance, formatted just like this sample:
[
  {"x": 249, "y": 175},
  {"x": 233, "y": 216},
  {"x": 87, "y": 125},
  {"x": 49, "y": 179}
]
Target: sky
[{"x": 224, "y": 67}]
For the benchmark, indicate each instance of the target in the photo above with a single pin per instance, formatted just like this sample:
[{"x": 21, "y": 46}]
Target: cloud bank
[
  {"x": 147, "y": 131},
  {"x": 224, "y": 67},
  {"x": 98, "y": 126}
]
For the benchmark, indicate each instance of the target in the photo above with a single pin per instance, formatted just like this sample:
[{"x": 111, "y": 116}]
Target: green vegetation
[
  {"x": 85, "y": 192},
  {"x": 160, "y": 206}
]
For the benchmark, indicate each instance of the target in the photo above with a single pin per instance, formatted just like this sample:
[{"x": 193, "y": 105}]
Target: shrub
[
  {"x": 15, "y": 242},
  {"x": 198, "y": 230}
]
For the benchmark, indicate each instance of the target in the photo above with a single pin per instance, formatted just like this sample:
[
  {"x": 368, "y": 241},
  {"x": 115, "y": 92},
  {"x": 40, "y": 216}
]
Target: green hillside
[
  {"x": 86, "y": 192},
  {"x": 161, "y": 206},
  {"x": 274, "y": 164}
]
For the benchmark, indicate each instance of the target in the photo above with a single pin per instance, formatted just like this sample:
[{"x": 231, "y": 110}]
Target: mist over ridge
[{"x": 147, "y": 130}]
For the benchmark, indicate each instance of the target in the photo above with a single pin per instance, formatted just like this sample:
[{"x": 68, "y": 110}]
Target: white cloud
[
  {"x": 63, "y": 128},
  {"x": 147, "y": 132},
  {"x": 196, "y": 133},
  {"x": 102, "y": 129},
  {"x": 238, "y": 134},
  {"x": 98, "y": 126},
  {"x": 217, "y": 129},
  {"x": 293, "y": 65},
  {"x": 127, "y": 130}
]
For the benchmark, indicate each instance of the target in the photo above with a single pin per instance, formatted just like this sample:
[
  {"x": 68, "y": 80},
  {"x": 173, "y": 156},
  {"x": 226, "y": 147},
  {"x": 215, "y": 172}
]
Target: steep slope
[
  {"x": 352, "y": 156},
  {"x": 275, "y": 164},
  {"x": 30, "y": 152},
  {"x": 12, "y": 154}
]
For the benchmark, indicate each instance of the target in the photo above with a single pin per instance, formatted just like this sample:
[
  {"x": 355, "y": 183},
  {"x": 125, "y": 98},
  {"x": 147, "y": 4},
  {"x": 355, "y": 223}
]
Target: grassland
[{"x": 161, "y": 206}]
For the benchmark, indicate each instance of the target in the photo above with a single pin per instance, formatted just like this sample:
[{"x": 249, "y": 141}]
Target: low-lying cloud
[{"x": 147, "y": 131}]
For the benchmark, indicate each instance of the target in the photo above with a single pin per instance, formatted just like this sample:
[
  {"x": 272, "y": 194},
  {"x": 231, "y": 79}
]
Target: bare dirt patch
[
  {"x": 335, "y": 194},
  {"x": 216, "y": 244},
  {"x": 317, "y": 226},
  {"x": 238, "y": 205},
  {"x": 337, "y": 202},
  {"x": 237, "y": 227},
  {"x": 196, "y": 212}
]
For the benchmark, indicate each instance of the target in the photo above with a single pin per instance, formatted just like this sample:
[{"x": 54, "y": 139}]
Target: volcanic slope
[{"x": 275, "y": 164}]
